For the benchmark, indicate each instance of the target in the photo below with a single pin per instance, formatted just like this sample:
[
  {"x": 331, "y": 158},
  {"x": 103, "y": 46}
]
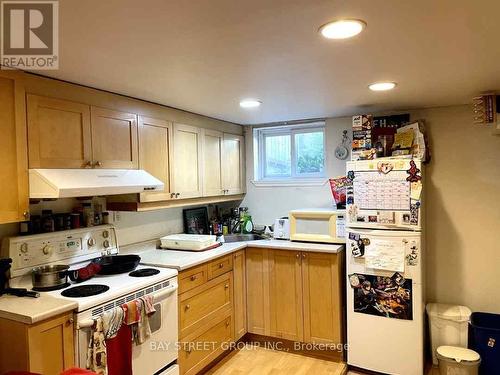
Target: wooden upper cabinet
[
  {"x": 114, "y": 139},
  {"x": 187, "y": 179},
  {"x": 59, "y": 134},
  {"x": 322, "y": 286},
  {"x": 285, "y": 294},
  {"x": 233, "y": 165},
  {"x": 14, "y": 204},
  {"x": 155, "y": 148},
  {"x": 212, "y": 158}
]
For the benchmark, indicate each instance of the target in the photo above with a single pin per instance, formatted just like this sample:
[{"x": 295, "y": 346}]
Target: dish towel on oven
[
  {"x": 137, "y": 314},
  {"x": 105, "y": 328}
]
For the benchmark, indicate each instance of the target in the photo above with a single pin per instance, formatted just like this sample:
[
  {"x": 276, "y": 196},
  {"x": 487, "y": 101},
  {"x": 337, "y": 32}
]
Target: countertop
[
  {"x": 182, "y": 260},
  {"x": 32, "y": 310}
]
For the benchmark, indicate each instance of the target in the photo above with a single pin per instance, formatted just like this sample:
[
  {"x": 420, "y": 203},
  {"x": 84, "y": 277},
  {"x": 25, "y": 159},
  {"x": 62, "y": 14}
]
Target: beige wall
[{"x": 462, "y": 201}]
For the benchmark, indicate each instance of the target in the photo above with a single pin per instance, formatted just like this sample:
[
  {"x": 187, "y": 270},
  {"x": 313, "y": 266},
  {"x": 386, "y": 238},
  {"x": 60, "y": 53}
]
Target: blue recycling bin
[{"x": 484, "y": 338}]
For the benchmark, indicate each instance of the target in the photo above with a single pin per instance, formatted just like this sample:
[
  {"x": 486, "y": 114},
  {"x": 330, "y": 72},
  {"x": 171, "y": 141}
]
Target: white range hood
[{"x": 67, "y": 183}]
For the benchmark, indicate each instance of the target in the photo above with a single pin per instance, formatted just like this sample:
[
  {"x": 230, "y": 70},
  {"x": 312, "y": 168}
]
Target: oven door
[{"x": 158, "y": 354}]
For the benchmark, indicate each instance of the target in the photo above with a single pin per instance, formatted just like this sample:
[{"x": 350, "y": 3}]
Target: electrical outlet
[{"x": 116, "y": 216}]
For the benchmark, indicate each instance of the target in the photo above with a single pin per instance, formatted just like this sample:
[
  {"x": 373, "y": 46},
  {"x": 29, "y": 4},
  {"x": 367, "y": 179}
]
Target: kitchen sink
[{"x": 242, "y": 237}]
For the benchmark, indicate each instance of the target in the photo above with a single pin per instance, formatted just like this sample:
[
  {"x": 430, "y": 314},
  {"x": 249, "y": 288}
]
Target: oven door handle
[{"x": 161, "y": 295}]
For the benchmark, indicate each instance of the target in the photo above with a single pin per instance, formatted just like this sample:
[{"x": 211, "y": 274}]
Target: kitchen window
[{"x": 290, "y": 154}]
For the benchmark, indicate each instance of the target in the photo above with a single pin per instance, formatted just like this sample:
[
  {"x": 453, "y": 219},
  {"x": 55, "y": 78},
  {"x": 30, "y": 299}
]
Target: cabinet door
[
  {"x": 58, "y": 133},
  {"x": 187, "y": 161},
  {"x": 286, "y": 294},
  {"x": 257, "y": 274},
  {"x": 114, "y": 139},
  {"x": 155, "y": 144},
  {"x": 204, "y": 345},
  {"x": 239, "y": 295},
  {"x": 13, "y": 152},
  {"x": 212, "y": 157},
  {"x": 199, "y": 305},
  {"x": 51, "y": 345},
  {"x": 233, "y": 168},
  {"x": 322, "y": 283}
]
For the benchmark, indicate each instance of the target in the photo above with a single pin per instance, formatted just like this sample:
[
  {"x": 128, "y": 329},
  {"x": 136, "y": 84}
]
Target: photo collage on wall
[{"x": 389, "y": 297}]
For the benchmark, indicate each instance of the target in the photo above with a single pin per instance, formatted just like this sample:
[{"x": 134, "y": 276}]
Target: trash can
[
  {"x": 454, "y": 360},
  {"x": 447, "y": 326},
  {"x": 484, "y": 338}
]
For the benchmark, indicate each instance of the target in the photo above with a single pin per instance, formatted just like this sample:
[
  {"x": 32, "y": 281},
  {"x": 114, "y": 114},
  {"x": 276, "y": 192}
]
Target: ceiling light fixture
[
  {"x": 342, "y": 29},
  {"x": 250, "y": 103},
  {"x": 382, "y": 86}
]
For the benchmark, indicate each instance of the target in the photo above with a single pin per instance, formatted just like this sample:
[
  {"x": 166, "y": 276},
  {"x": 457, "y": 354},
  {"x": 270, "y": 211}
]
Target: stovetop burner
[
  {"x": 144, "y": 272},
  {"x": 51, "y": 288},
  {"x": 85, "y": 290}
]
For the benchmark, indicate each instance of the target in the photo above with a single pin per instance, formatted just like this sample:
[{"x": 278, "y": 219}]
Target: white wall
[
  {"x": 269, "y": 203},
  {"x": 462, "y": 201}
]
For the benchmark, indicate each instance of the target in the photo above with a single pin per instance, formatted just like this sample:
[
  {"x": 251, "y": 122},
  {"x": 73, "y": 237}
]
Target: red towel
[
  {"x": 77, "y": 371},
  {"x": 119, "y": 352}
]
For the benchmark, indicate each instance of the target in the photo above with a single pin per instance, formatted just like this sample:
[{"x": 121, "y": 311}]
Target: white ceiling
[{"x": 205, "y": 55}]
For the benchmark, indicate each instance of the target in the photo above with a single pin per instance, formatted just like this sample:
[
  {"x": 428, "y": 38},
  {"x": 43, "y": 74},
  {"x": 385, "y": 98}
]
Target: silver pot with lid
[{"x": 50, "y": 276}]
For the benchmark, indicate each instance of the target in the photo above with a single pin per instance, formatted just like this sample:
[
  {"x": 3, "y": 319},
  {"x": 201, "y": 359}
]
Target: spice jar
[{"x": 47, "y": 221}]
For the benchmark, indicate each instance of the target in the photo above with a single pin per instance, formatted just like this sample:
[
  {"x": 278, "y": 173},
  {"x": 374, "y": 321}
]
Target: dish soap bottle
[{"x": 247, "y": 226}]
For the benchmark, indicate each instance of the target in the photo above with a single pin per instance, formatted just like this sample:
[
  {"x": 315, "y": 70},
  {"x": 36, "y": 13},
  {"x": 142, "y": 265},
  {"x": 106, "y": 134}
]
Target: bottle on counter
[
  {"x": 48, "y": 224},
  {"x": 105, "y": 217},
  {"x": 88, "y": 215},
  {"x": 75, "y": 220}
]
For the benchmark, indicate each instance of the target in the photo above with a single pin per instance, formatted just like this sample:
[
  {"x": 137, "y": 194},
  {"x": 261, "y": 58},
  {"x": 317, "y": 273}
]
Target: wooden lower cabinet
[
  {"x": 201, "y": 304},
  {"x": 295, "y": 295},
  {"x": 285, "y": 295},
  {"x": 322, "y": 283},
  {"x": 257, "y": 273},
  {"x": 205, "y": 313},
  {"x": 205, "y": 344},
  {"x": 46, "y": 348},
  {"x": 239, "y": 295}
]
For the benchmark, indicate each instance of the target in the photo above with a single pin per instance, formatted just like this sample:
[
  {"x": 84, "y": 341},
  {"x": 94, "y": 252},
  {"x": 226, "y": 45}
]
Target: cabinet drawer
[
  {"x": 192, "y": 278},
  {"x": 204, "y": 345},
  {"x": 202, "y": 304},
  {"x": 220, "y": 266}
]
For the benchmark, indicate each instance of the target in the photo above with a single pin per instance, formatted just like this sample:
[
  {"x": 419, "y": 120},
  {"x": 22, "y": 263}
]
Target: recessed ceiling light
[
  {"x": 250, "y": 103},
  {"x": 382, "y": 86},
  {"x": 342, "y": 29}
]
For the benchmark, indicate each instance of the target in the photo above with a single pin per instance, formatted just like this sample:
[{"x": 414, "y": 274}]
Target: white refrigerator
[{"x": 385, "y": 273}]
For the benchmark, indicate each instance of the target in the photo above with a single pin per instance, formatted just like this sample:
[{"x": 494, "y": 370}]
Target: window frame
[{"x": 260, "y": 135}]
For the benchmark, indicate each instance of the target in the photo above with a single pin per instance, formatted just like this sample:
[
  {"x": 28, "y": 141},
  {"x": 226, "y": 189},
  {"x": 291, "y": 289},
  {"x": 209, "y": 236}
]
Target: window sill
[{"x": 294, "y": 182}]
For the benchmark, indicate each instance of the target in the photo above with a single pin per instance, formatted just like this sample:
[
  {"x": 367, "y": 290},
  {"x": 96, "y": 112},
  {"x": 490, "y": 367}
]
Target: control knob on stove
[
  {"x": 105, "y": 244},
  {"x": 24, "y": 248},
  {"x": 47, "y": 249},
  {"x": 91, "y": 242},
  {"x": 105, "y": 234}
]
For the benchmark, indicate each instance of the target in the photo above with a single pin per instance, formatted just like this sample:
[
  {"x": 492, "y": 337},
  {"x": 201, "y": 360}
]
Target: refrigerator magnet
[
  {"x": 398, "y": 278},
  {"x": 414, "y": 173},
  {"x": 415, "y": 190},
  {"x": 414, "y": 213},
  {"x": 354, "y": 280},
  {"x": 412, "y": 258},
  {"x": 384, "y": 167}
]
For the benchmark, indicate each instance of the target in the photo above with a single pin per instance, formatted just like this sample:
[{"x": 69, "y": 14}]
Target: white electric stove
[{"x": 76, "y": 248}]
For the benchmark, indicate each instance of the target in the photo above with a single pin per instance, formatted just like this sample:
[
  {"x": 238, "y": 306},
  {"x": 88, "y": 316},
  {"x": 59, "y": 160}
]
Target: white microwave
[{"x": 317, "y": 225}]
